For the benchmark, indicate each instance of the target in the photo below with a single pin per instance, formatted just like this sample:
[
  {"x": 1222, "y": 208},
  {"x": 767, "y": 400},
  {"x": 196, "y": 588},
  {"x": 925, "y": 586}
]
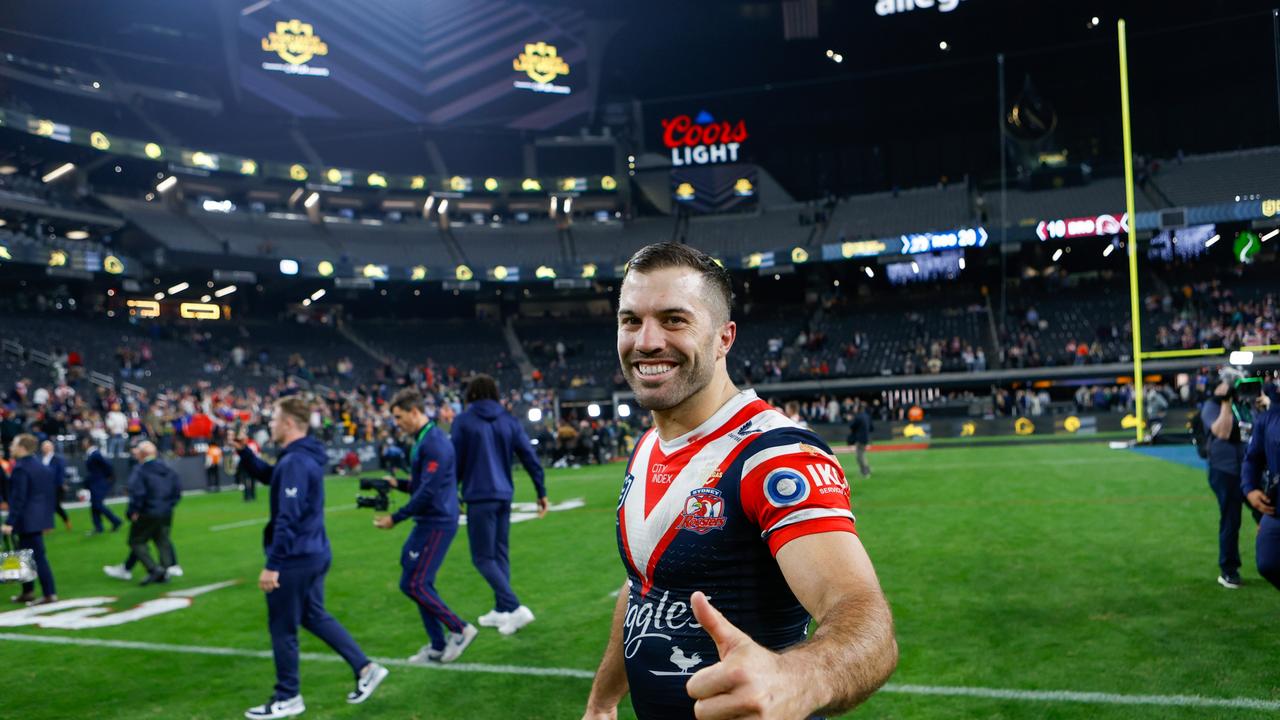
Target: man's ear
[{"x": 728, "y": 334}]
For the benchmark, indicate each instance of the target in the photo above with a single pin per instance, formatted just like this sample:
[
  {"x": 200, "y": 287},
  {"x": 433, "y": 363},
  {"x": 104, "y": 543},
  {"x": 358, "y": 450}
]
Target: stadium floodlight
[
  {"x": 624, "y": 410},
  {"x": 205, "y": 298},
  {"x": 317, "y": 294},
  {"x": 1271, "y": 234},
  {"x": 1241, "y": 357},
  {"x": 831, "y": 53},
  {"x": 1094, "y": 21},
  {"x": 444, "y": 206},
  {"x": 312, "y": 199},
  {"x": 1212, "y": 241},
  {"x": 568, "y": 205},
  {"x": 426, "y": 206},
  {"x": 77, "y": 234},
  {"x": 159, "y": 296},
  {"x": 915, "y": 267},
  {"x": 306, "y": 302},
  {"x": 870, "y": 273},
  {"x": 58, "y": 172},
  {"x": 961, "y": 263},
  {"x": 167, "y": 184},
  {"x": 1106, "y": 252},
  {"x": 288, "y": 267},
  {"x": 535, "y": 415},
  {"x": 554, "y": 202},
  {"x": 593, "y": 410},
  {"x": 1057, "y": 255},
  {"x": 943, "y": 46},
  {"x": 838, "y": 58},
  {"x": 225, "y": 291},
  {"x": 179, "y": 288}
]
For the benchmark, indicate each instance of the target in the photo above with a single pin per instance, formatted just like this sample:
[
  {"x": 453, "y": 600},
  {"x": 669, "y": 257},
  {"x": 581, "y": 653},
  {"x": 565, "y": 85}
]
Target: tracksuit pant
[
  {"x": 420, "y": 559},
  {"x": 35, "y": 543},
  {"x": 488, "y": 530},
  {"x": 98, "y": 506},
  {"x": 147, "y": 529},
  {"x": 1226, "y": 487},
  {"x": 300, "y": 601},
  {"x": 1268, "y": 549}
]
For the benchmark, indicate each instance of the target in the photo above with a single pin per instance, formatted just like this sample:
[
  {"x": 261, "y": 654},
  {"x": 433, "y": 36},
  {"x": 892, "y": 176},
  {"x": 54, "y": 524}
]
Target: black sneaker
[
  {"x": 158, "y": 577},
  {"x": 1231, "y": 581}
]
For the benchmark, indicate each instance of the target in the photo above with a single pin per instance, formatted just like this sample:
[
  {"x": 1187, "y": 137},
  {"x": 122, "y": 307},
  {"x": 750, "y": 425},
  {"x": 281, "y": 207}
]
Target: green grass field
[{"x": 1029, "y": 568}]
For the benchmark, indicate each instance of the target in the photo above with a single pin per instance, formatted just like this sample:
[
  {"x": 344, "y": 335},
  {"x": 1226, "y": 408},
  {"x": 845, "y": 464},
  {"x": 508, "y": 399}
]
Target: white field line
[
  {"x": 1042, "y": 696},
  {"x": 261, "y": 521}
]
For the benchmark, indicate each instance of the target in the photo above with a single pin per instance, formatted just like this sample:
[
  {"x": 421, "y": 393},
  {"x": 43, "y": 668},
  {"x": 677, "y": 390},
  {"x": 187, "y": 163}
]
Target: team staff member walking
[
  {"x": 433, "y": 505},
  {"x": 154, "y": 492},
  {"x": 99, "y": 477},
  {"x": 485, "y": 437},
  {"x": 58, "y": 466},
  {"x": 298, "y": 558},
  {"x": 32, "y": 497},
  {"x": 1263, "y": 456}
]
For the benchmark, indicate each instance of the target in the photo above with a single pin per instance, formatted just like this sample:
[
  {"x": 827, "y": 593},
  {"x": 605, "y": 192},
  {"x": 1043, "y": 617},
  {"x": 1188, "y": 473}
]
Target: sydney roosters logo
[{"x": 703, "y": 511}]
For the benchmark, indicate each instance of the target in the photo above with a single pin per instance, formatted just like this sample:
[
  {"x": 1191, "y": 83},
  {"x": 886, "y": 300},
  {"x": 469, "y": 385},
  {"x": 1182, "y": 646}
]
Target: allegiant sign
[{"x": 702, "y": 140}]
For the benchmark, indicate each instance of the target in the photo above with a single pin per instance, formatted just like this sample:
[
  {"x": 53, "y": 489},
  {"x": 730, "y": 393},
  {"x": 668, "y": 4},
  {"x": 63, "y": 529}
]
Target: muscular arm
[
  {"x": 610, "y": 683},
  {"x": 832, "y": 577}
]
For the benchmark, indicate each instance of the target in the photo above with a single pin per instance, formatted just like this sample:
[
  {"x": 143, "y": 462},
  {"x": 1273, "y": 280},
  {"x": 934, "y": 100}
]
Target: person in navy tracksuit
[
  {"x": 1263, "y": 457},
  {"x": 485, "y": 436},
  {"x": 32, "y": 497},
  {"x": 99, "y": 477},
  {"x": 58, "y": 466},
  {"x": 298, "y": 558},
  {"x": 433, "y": 505}
]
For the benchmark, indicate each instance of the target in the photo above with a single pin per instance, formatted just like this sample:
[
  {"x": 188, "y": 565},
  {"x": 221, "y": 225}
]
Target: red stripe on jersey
[
  {"x": 786, "y": 534},
  {"x": 622, "y": 506},
  {"x": 827, "y": 489},
  {"x": 646, "y": 579},
  {"x": 676, "y": 462}
]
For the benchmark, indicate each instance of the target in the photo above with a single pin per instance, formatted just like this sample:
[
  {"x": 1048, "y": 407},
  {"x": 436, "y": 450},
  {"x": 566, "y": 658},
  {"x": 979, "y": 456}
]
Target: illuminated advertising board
[
  {"x": 296, "y": 43},
  {"x": 702, "y": 140},
  {"x": 955, "y": 239},
  {"x": 1096, "y": 226},
  {"x": 542, "y": 64}
]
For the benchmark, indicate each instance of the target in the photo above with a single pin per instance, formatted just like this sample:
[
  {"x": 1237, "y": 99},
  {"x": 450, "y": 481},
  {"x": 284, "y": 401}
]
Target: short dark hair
[
  {"x": 407, "y": 400},
  {"x": 659, "y": 256},
  {"x": 481, "y": 387}
]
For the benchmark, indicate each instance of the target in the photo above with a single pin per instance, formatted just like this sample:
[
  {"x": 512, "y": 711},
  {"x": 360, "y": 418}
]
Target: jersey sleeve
[{"x": 795, "y": 488}]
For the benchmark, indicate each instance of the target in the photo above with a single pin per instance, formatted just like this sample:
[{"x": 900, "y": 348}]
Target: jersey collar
[{"x": 718, "y": 418}]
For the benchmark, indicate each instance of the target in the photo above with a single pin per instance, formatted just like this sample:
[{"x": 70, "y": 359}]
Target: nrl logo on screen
[
  {"x": 542, "y": 64},
  {"x": 296, "y": 43}
]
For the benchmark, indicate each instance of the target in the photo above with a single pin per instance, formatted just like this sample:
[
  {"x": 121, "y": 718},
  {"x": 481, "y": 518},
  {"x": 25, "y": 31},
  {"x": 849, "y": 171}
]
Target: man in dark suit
[
  {"x": 154, "y": 491},
  {"x": 99, "y": 477},
  {"x": 31, "y": 502},
  {"x": 58, "y": 466}
]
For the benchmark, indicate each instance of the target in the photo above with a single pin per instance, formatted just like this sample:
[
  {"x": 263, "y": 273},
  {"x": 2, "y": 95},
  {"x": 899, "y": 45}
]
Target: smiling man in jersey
[{"x": 735, "y": 529}]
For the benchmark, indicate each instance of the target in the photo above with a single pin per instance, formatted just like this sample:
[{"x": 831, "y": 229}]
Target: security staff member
[
  {"x": 1226, "y": 450},
  {"x": 860, "y": 435},
  {"x": 298, "y": 558},
  {"x": 99, "y": 477},
  {"x": 154, "y": 492},
  {"x": 1263, "y": 455},
  {"x": 433, "y": 505},
  {"x": 485, "y": 437},
  {"x": 32, "y": 497}
]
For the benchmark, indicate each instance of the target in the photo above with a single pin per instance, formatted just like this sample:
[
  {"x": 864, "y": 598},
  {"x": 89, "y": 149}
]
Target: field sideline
[{"x": 1068, "y": 581}]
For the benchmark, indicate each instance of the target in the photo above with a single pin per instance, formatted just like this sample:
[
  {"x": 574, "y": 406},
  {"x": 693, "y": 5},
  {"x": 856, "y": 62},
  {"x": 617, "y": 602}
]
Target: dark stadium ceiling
[{"x": 1203, "y": 71}]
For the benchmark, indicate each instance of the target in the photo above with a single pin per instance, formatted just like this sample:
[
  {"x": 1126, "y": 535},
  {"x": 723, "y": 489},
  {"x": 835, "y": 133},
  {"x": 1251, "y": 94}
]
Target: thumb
[{"x": 724, "y": 633}]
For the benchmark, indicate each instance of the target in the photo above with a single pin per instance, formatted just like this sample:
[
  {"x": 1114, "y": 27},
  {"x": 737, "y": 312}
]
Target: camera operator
[
  {"x": 1221, "y": 417},
  {"x": 433, "y": 505},
  {"x": 1259, "y": 476}
]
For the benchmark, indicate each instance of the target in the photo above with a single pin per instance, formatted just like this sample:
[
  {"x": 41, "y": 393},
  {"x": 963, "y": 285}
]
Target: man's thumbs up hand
[{"x": 748, "y": 682}]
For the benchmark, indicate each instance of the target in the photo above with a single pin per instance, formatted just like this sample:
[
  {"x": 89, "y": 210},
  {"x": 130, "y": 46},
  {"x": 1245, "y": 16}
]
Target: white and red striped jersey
[{"x": 709, "y": 511}]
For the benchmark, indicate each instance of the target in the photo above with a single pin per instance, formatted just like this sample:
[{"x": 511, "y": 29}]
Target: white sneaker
[
  {"x": 426, "y": 655},
  {"x": 368, "y": 681},
  {"x": 493, "y": 618},
  {"x": 173, "y": 571},
  {"x": 516, "y": 619},
  {"x": 277, "y": 709},
  {"x": 117, "y": 571},
  {"x": 458, "y": 642}
]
